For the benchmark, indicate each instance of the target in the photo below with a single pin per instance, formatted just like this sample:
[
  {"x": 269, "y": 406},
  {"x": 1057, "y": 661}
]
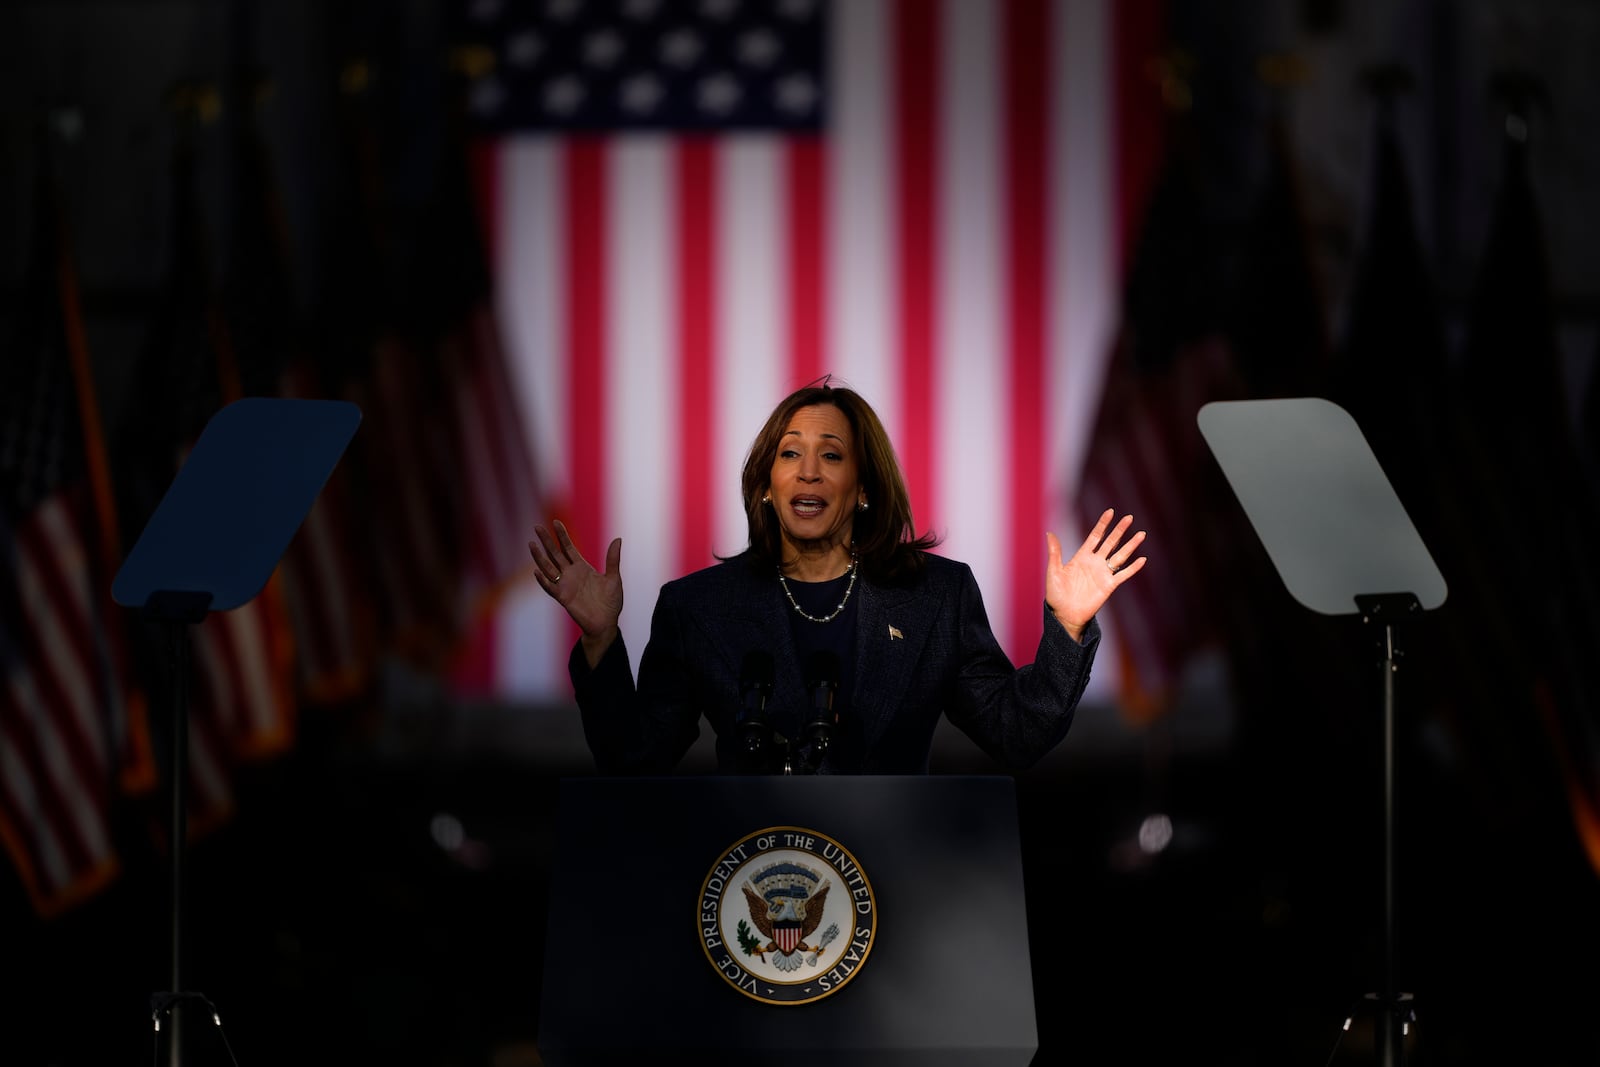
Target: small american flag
[
  {"x": 444, "y": 460},
  {"x": 242, "y": 704},
  {"x": 500, "y": 483},
  {"x": 1146, "y": 450},
  {"x": 64, "y": 709},
  {"x": 325, "y": 588}
]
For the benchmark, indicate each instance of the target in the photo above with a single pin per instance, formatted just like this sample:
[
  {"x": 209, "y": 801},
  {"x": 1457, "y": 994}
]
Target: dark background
[{"x": 379, "y": 895}]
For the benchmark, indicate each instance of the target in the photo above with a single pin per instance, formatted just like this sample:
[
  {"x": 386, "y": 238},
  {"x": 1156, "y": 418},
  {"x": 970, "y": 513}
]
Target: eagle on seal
[{"x": 786, "y": 904}]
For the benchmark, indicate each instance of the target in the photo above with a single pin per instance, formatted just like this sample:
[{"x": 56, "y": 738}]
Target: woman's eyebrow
[{"x": 825, "y": 437}]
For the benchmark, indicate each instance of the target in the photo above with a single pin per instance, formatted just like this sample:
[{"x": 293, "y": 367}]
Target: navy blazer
[{"x": 923, "y": 649}]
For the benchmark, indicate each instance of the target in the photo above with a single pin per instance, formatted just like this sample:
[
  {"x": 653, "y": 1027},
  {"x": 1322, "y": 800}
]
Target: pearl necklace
[{"x": 834, "y": 614}]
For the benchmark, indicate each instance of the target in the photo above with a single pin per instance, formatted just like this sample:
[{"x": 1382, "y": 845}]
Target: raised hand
[
  {"x": 591, "y": 597},
  {"x": 1077, "y": 588}
]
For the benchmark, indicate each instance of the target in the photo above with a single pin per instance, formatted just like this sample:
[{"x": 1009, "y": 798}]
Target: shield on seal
[
  {"x": 787, "y": 935},
  {"x": 786, "y": 889}
]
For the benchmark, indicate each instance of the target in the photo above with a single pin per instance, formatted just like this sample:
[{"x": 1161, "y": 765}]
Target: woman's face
[{"x": 815, "y": 486}]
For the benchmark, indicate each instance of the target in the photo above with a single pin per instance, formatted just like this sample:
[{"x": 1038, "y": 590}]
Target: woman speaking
[{"x": 836, "y": 639}]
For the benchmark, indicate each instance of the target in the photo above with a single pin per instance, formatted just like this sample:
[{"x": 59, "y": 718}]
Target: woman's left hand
[{"x": 1076, "y": 589}]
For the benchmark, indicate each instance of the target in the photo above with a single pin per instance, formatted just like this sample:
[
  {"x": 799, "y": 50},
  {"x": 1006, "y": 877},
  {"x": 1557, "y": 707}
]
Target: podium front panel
[{"x": 947, "y": 979}]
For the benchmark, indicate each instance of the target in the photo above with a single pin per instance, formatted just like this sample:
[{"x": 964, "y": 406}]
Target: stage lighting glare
[
  {"x": 1155, "y": 833},
  {"x": 447, "y": 831}
]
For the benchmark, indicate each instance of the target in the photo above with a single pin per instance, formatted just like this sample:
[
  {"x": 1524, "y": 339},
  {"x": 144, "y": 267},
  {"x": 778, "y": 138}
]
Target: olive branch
[{"x": 747, "y": 942}]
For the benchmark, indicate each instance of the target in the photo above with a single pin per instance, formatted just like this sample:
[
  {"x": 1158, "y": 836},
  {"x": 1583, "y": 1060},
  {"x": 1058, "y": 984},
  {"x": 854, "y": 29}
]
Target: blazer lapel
[{"x": 891, "y": 632}]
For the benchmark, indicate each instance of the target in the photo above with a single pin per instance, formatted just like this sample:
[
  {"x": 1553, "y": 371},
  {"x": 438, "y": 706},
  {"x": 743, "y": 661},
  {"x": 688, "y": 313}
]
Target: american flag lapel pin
[{"x": 895, "y": 634}]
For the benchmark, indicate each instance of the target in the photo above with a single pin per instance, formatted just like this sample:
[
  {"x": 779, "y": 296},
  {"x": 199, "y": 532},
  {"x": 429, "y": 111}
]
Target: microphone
[
  {"x": 822, "y": 681},
  {"x": 755, "y": 687}
]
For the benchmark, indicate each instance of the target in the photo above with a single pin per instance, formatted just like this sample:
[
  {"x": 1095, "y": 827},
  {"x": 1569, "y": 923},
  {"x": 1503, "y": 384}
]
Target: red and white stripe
[
  {"x": 500, "y": 486},
  {"x": 326, "y": 587},
  {"x": 333, "y": 645},
  {"x": 242, "y": 704},
  {"x": 1148, "y": 454},
  {"x": 59, "y": 714},
  {"x": 410, "y": 455},
  {"x": 949, "y": 247}
]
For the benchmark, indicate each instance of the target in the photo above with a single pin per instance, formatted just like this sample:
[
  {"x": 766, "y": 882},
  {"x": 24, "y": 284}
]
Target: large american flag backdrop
[{"x": 697, "y": 207}]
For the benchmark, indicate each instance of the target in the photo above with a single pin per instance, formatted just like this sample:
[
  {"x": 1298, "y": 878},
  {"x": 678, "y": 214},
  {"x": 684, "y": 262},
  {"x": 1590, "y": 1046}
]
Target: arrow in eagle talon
[{"x": 827, "y": 935}]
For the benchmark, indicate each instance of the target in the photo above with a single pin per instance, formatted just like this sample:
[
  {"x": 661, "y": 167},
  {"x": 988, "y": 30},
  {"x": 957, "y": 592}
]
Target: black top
[
  {"x": 918, "y": 650},
  {"x": 837, "y": 637}
]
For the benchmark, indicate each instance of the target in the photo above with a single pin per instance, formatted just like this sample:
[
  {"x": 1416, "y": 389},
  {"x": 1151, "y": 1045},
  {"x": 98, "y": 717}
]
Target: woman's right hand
[{"x": 592, "y": 598}]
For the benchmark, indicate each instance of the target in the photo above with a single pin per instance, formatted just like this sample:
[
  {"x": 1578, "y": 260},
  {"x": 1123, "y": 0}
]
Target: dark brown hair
[{"x": 885, "y": 538}]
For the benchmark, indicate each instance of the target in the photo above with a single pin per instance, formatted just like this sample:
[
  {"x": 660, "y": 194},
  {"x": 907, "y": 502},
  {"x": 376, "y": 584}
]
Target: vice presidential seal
[{"x": 787, "y": 915}]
